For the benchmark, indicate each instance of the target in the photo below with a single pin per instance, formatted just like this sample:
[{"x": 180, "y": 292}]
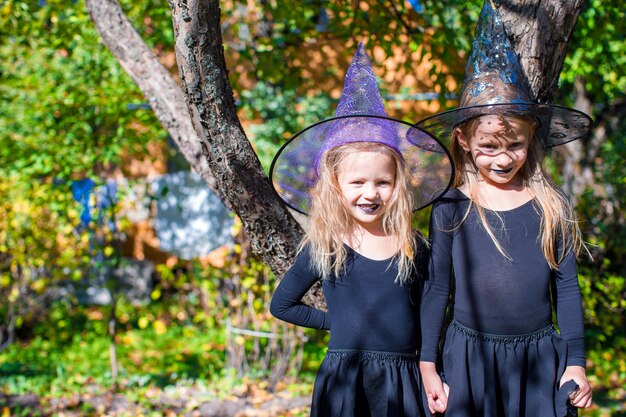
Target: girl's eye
[{"x": 488, "y": 148}]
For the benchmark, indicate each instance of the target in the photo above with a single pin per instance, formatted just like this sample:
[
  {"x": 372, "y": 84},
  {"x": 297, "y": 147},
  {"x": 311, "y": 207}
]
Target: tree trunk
[
  {"x": 273, "y": 232},
  {"x": 540, "y": 32},
  {"x": 162, "y": 92}
]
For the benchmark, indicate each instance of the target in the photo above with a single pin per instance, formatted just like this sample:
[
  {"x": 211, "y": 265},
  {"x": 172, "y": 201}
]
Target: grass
[
  {"x": 163, "y": 370},
  {"x": 146, "y": 358}
]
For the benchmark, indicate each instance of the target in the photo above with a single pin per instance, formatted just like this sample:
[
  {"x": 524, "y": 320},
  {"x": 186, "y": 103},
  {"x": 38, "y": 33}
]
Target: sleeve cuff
[
  {"x": 426, "y": 357},
  {"x": 576, "y": 352},
  {"x": 325, "y": 321}
]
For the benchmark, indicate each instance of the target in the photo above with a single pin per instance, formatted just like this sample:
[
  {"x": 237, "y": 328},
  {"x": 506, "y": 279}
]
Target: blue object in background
[
  {"x": 81, "y": 191},
  {"x": 416, "y": 5},
  {"x": 107, "y": 194},
  {"x": 322, "y": 20},
  {"x": 106, "y": 197}
]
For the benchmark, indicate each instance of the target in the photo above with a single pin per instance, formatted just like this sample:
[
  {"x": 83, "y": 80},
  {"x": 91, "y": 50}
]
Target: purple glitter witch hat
[
  {"x": 361, "y": 117},
  {"x": 495, "y": 83}
]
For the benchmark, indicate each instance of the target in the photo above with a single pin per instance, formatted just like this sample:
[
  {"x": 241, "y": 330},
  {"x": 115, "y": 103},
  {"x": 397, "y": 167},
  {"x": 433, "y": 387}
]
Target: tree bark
[
  {"x": 160, "y": 89},
  {"x": 540, "y": 31},
  {"x": 273, "y": 232}
]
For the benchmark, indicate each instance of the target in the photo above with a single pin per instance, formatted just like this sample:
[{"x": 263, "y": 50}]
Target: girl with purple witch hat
[
  {"x": 359, "y": 176},
  {"x": 506, "y": 240}
]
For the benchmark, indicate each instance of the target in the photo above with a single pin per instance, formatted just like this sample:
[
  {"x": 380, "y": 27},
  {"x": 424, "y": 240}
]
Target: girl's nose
[
  {"x": 370, "y": 192},
  {"x": 504, "y": 158}
]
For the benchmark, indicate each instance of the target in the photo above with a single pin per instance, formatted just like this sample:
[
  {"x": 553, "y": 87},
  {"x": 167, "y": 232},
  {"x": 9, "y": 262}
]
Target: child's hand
[
  {"x": 580, "y": 398},
  {"x": 436, "y": 391}
]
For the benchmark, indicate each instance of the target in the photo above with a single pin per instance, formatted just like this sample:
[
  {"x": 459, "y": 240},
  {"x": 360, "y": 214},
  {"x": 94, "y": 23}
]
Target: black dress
[
  {"x": 371, "y": 366},
  {"x": 502, "y": 356}
]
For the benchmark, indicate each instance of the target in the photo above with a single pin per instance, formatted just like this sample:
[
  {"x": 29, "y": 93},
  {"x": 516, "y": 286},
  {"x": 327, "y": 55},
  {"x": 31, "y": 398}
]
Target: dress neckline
[
  {"x": 521, "y": 206},
  {"x": 350, "y": 249}
]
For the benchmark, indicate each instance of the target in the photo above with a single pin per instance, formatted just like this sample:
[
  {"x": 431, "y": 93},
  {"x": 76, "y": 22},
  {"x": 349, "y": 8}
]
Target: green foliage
[
  {"x": 66, "y": 114},
  {"x": 159, "y": 354},
  {"x": 604, "y": 305},
  {"x": 257, "y": 344},
  {"x": 449, "y": 29},
  {"x": 273, "y": 38},
  {"x": 597, "y": 52},
  {"x": 606, "y": 370},
  {"x": 597, "y": 60},
  {"x": 283, "y": 113},
  {"x": 34, "y": 248},
  {"x": 270, "y": 41}
]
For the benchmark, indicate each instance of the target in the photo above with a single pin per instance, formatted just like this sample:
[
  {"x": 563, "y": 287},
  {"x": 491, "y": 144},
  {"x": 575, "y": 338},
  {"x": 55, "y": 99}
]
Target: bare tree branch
[{"x": 163, "y": 93}]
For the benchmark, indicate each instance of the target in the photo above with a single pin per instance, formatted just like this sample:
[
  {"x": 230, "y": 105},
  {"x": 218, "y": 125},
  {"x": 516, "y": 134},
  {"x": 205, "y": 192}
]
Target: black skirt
[
  {"x": 505, "y": 376},
  {"x": 354, "y": 383}
]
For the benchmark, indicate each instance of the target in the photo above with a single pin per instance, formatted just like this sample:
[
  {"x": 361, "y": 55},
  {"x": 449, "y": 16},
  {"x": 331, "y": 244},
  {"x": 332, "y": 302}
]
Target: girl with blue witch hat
[
  {"x": 359, "y": 176},
  {"x": 505, "y": 239}
]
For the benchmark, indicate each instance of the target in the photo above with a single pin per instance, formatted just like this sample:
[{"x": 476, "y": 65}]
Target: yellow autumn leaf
[
  {"x": 128, "y": 339},
  {"x": 155, "y": 294},
  {"x": 143, "y": 322},
  {"x": 13, "y": 294},
  {"x": 159, "y": 327},
  {"x": 38, "y": 286}
]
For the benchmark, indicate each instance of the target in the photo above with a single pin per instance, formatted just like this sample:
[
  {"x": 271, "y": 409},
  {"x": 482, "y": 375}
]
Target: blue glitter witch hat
[
  {"x": 361, "y": 117},
  {"x": 495, "y": 83}
]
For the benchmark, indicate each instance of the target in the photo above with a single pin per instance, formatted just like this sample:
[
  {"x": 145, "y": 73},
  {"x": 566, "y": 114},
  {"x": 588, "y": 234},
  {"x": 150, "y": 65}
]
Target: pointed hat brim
[
  {"x": 557, "y": 125},
  {"x": 428, "y": 164}
]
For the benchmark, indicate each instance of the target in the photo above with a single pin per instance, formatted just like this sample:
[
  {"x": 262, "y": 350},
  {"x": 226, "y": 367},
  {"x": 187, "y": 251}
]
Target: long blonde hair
[
  {"x": 331, "y": 220},
  {"x": 558, "y": 220}
]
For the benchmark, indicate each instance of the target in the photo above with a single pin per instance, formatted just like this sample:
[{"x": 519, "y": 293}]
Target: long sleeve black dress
[
  {"x": 370, "y": 368},
  {"x": 501, "y": 355}
]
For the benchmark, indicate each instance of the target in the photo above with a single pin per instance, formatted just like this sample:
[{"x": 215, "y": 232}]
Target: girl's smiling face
[
  {"x": 499, "y": 147},
  {"x": 367, "y": 181}
]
